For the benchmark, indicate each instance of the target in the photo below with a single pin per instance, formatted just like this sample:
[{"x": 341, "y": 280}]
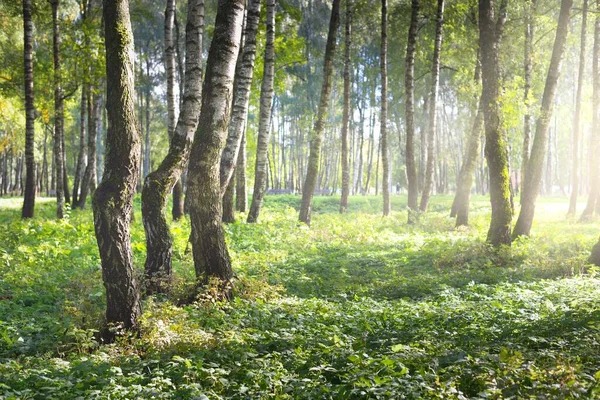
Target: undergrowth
[{"x": 356, "y": 306}]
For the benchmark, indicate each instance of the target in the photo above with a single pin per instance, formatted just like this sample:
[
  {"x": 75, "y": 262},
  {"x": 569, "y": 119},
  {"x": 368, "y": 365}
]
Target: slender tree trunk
[
  {"x": 45, "y": 179},
  {"x": 29, "y": 198},
  {"x": 384, "y": 117},
  {"x": 428, "y": 184},
  {"x": 346, "y": 112},
  {"x": 594, "y": 163},
  {"x": 88, "y": 184},
  {"x": 312, "y": 171},
  {"x": 467, "y": 171},
  {"x": 528, "y": 64},
  {"x": 533, "y": 174},
  {"x": 80, "y": 166},
  {"x": 266, "y": 105},
  {"x": 241, "y": 196},
  {"x": 58, "y": 116},
  {"x": 495, "y": 146},
  {"x": 241, "y": 90},
  {"x": 158, "y": 184},
  {"x": 409, "y": 81},
  {"x": 113, "y": 200},
  {"x": 211, "y": 257}
]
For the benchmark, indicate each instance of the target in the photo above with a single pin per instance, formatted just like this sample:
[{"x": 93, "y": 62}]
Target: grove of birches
[{"x": 299, "y": 199}]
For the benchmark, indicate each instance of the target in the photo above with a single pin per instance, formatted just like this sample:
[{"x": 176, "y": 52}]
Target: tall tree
[
  {"x": 113, "y": 199},
  {"x": 169, "y": 60},
  {"x": 495, "y": 145},
  {"x": 241, "y": 196},
  {"x": 385, "y": 154},
  {"x": 528, "y": 69},
  {"x": 594, "y": 164},
  {"x": 264, "y": 122},
  {"x": 80, "y": 166},
  {"x": 577, "y": 116},
  {"x": 59, "y": 119},
  {"x": 346, "y": 112},
  {"x": 533, "y": 174},
  {"x": 241, "y": 90},
  {"x": 88, "y": 184},
  {"x": 211, "y": 257},
  {"x": 314, "y": 157},
  {"x": 432, "y": 127},
  {"x": 29, "y": 198},
  {"x": 158, "y": 184},
  {"x": 409, "y": 82}
]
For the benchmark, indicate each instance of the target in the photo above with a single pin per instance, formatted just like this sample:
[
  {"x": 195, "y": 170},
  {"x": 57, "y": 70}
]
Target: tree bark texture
[
  {"x": 241, "y": 90},
  {"x": 158, "y": 184},
  {"x": 432, "y": 127},
  {"x": 495, "y": 146},
  {"x": 409, "y": 82},
  {"x": 58, "y": 116},
  {"x": 241, "y": 197},
  {"x": 533, "y": 175},
  {"x": 346, "y": 112},
  {"x": 211, "y": 257},
  {"x": 88, "y": 184},
  {"x": 266, "y": 106},
  {"x": 577, "y": 117},
  {"x": 314, "y": 157},
  {"x": 528, "y": 69},
  {"x": 594, "y": 172},
  {"x": 113, "y": 199},
  {"x": 383, "y": 122},
  {"x": 29, "y": 198}
]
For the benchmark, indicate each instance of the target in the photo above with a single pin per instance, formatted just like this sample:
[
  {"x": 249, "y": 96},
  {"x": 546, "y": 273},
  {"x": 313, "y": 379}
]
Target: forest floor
[{"x": 357, "y": 306}]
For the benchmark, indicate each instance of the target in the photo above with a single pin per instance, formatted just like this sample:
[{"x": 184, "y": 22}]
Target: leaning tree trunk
[
  {"x": 29, "y": 198},
  {"x": 435, "y": 73},
  {"x": 460, "y": 207},
  {"x": 80, "y": 167},
  {"x": 315, "y": 143},
  {"x": 158, "y": 184},
  {"x": 58, "y": 117},
  {"x": 266, "y": 105},
  {"x": 384, "y": 117},
  {"x": 495, "y": 146},
  {"x": 346, "y": 112},
  {"x": 533, "y": 174},
  {"x": 113, "y": 200},
  {"x": 211, "y": 257},
  {"x": 241, "y": 197},
  {"x": 239, "y": 113},
  {"x": 594, "y": 172},
  {"x": 577, "y": 117},
  {"x": 88, "y": 183},
  {"x": 409, "y": 81}
]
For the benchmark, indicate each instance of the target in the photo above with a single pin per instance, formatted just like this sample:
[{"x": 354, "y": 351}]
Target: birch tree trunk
[
  {"x": 409, "y": 82},
  {"x": 495, "y": 145},
  {"x": 266, "y": 106},
  {"x": 594, "y": 164},
  {"x": 113, "y": 200},
  {"x": 239, "y": 113},
  {"x": 528, "y": 67},
  {"x": 80, "y": 166},
  {"x": 312, "y": 171},
  {"x": 533, "y": 174},
  {"x": 346, "y": 112},
  {"x": 211, "y": 257},
  {"x": 89, "y": 177},
  {"x": 58, "y": 115},
  {"x": 158, "y": 184},
  {"x": 435, "y": 73},
  {"x": 577, "y": 117},
  {"x": 241, "y": 197},
  {"x": 29, "y": 198},
  {"x": 384, "y": 112}
]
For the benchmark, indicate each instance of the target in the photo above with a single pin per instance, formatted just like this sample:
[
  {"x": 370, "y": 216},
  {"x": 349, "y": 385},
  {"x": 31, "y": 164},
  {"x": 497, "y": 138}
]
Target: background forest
[{"x": 158, "y": 162}]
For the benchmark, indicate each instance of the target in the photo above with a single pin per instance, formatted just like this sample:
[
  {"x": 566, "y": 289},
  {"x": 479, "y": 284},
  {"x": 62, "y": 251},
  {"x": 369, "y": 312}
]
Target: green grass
[{"x": 357, "y": 306}]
